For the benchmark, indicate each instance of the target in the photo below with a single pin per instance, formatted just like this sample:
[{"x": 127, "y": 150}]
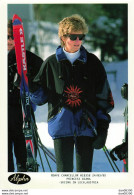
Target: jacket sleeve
[
  {"x": 38, "y": 90},
  {"x": 34, "y": 63},
  {"x": 105, "y": 102},
  {"x": 38, "y": 97}
]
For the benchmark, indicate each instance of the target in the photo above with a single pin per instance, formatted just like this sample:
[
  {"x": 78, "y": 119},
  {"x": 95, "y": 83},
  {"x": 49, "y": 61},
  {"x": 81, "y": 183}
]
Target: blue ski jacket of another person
[{"x": 76, "y": 93}]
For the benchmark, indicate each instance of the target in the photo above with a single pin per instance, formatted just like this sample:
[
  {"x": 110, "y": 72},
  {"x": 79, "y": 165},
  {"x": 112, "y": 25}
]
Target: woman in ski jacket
[
  {"x": 15, "y": 119},
  {"x": 74, "y": 84}
]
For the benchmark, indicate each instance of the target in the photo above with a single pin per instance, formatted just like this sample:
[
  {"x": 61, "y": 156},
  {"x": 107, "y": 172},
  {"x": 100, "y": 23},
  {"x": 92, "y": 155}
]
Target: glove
[
  {"x": 102, "y": 130},
  {"x": 121, "y": 151}
]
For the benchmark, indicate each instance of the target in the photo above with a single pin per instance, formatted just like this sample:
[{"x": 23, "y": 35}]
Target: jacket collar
[{"x": 60, "y": 55}]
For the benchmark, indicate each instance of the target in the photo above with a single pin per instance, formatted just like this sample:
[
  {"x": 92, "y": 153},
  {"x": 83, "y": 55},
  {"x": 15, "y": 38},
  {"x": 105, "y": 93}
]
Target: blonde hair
[{"x": 72, "y": 23}]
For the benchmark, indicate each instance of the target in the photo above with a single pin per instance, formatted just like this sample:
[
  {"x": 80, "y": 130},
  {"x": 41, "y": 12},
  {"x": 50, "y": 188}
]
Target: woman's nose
[{"x": 78, "y": 39}]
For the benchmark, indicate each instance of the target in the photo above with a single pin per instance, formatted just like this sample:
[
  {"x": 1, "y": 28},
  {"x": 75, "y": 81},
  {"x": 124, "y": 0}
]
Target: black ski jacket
[
  {"x": 33, "y": 63},
  {"x": 71, "y": 90}
]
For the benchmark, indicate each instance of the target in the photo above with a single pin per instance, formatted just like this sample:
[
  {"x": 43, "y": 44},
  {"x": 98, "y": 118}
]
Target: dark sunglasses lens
[
  {"x": 81, "y": 37},
  {"x": 74, "y": 37},
  {"x": 10, "y": 37}
]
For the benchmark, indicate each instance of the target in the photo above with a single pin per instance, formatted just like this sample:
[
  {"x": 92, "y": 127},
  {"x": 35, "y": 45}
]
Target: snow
[
  {"x": 43, "y": 133},
  {"x": 108, "y": 25}
]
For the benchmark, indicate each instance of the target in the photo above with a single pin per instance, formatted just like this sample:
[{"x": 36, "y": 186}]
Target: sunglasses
[
  {"x": 10, "y": 36},
  {"x": 73, "y": 37}
]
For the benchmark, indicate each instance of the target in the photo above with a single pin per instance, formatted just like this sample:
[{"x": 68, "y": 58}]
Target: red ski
[{"x": 27, "y": 107}]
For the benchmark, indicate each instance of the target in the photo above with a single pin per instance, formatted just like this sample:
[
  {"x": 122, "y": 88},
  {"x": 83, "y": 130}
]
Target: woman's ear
[{"x": 63, "y": 40}]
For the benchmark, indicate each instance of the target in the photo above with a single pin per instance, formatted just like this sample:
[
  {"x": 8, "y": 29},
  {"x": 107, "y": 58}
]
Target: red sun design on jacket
[{"x": 73, "y": 96}]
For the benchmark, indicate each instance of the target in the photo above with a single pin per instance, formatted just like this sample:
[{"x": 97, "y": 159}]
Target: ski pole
[
  {"x": 47, "y": 152},
  {"x": 47, "y": 160},
  {"x": 86, "y": 117},
  {"x": 108, "y": 158},
  {"x": 38, "y": 149},
  {"x": 111, "y": 158},
  {"x": 50, "y": 154},
  {"x": 43, "y": 151}
]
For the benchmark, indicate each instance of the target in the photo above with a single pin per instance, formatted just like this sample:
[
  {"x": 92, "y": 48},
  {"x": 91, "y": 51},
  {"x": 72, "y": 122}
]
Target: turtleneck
[{"x": 72, "y": 56}]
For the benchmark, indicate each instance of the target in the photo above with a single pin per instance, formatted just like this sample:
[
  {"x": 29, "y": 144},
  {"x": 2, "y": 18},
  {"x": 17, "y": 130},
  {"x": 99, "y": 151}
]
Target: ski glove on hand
[
  {"x": 121, "y": 151},
  {"x": 102, "y": 130}
]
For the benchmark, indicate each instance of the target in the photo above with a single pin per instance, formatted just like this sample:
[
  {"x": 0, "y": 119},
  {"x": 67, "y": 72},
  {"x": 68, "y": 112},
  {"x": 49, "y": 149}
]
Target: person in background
[
  {"x": 16, "y": 137},
  {"x": 121, "y": 151},
  {"x": 74, "y": 83}
]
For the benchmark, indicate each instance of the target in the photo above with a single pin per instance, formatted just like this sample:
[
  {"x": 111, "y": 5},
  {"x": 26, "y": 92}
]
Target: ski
[
  {"x": 33, "y": 141},
  {"x": 28, "y": 108}
]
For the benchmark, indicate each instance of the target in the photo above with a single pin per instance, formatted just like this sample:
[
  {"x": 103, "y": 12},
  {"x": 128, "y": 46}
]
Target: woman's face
[
  {"x": 10, "y": 41},
  {"x": 72, "y": 46}
]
